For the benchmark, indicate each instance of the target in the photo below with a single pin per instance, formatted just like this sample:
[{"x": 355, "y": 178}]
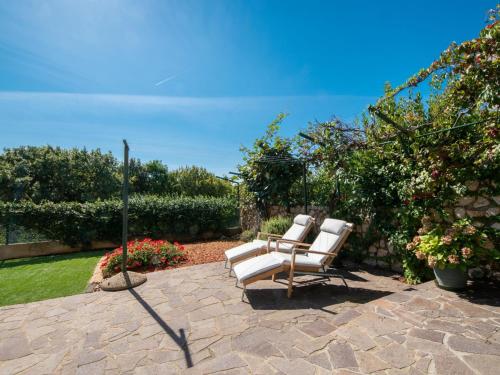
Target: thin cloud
[{"x": 159, "y": 83}]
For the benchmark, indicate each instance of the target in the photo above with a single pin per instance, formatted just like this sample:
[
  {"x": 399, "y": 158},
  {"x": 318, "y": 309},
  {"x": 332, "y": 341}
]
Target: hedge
[{"x": 149, "y": 216}]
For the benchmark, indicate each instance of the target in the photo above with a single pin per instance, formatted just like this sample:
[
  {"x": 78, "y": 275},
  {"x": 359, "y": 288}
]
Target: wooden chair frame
[
  {"x": 294, "y": 269},
  {"x": 272, "y": 237}
]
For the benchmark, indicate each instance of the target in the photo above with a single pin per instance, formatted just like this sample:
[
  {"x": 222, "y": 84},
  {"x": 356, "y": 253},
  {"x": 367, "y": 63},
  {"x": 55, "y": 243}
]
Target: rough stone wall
[{"x": 249, "y": 217}]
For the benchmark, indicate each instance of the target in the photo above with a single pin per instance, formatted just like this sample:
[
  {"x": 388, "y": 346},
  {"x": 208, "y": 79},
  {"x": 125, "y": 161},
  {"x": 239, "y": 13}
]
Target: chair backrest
[
  {"x": 302, "y": 224},
  {"x": 332, "y": 236}
]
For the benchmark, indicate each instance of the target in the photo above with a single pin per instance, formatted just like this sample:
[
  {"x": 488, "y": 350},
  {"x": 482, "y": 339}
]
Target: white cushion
[
  {"x": 295, "y": 233},
  {"x": 300, "y": 259},
  {"x": 325, "y": 242},
  {"x": 333, "y": 226},
  {"x": 302, "y": 219},
  {"x": 246, "y": 250},
  {"x": 256, "y": 266}
]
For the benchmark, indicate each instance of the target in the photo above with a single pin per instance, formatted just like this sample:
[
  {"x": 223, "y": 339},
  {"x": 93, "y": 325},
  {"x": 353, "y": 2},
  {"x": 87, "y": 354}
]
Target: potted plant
[{"x": 450, "y": 251}]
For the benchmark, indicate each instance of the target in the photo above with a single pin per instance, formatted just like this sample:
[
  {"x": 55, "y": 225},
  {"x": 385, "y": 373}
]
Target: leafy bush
[
  {"x": 276, "y": 225},
  {"x": 247, "y": 235},
  {"x": 270, "y": 169},
  {"x": 401, "y": 162},
  {"x": 149, "y": 178},
  {"x": 193, "y": 181},
  {"x": 59, "y": 175},
  {"x": 55, "y": 174},
  {"x": 146, "y": 254},
  {"x": 150, "y": 216}
]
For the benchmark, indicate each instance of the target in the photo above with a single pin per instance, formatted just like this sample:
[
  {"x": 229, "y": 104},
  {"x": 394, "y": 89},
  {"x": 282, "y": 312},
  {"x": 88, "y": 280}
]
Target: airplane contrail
[{"x": 165, "y": 80}]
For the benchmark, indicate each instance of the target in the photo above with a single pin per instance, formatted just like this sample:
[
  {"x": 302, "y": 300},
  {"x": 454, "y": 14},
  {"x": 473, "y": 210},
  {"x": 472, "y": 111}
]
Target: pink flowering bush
[
  {"x": 459, "y": 245},
  {"x": 146, "y": 254}
]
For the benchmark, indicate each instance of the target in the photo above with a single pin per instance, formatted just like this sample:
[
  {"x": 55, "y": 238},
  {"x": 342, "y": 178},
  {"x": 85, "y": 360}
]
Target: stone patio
[{"x": 192, "y": 320}]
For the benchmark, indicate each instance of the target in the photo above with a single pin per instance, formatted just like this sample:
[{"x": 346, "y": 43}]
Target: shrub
[
  {"x": 55, "y": 174},
  {"x": 151, "y": 177},
  {"x": 270, "y": 169},
  {"x": 247, "y": 236},
  {"x": 150, "y": 216},
  {"x": 276, "y": 225},
  {"x": 73, "y": 175},
  {"x": 146, "y": 254},
  {"x": 193, "y": 181}
]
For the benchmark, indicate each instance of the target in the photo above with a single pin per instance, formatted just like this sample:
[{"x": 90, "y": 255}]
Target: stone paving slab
[{"x": 192, "y": 320}]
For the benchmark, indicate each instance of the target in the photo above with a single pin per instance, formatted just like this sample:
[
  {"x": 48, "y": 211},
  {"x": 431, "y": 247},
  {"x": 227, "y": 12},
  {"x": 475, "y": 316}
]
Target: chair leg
[
  {"x": 290, "y": 284},
  {"x": 273, "y": 277},
  {"x": 230, "y": 269},
  {"x": 345, "y": 283},
  {"x": 243, "y": 293},
  {"x": 225, "y": 264},
  {"x": 328, "y": 277}
]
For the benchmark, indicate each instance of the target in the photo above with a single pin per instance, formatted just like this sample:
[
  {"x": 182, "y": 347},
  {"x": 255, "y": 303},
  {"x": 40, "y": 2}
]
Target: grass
[{"x": 38, "y": 278}]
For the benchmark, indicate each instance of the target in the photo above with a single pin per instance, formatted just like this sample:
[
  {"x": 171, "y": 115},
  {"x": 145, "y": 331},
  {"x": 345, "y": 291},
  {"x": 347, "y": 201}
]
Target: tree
[
  {"x": 270, "y": 168},
  {"x": 193, "y": 181},
  {"x": 150, "y": 178},
  {"x": 55, "y": 174}
]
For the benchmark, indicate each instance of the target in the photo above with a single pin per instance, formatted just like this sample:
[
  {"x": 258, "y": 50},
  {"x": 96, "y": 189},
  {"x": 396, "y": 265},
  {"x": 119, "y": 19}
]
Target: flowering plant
[
  {"x": 459, "y": 245},
  {"x": 146, "y": 254}
]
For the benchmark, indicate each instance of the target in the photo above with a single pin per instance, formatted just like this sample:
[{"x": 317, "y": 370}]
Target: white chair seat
[
  {"x": 300, "y": 259},
  {"x": 256, "y": 266},
  {"x": 245, "y": 250}
]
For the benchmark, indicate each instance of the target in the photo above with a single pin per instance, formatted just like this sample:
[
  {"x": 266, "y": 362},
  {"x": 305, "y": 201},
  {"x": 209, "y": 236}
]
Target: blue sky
[{"x": 188, "y": 82}]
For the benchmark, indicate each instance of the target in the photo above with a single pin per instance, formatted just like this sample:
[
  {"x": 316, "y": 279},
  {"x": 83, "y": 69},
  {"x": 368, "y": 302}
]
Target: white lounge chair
[
  {"x": 301, "y": 226},
  {"x": 310, "y": 259}
]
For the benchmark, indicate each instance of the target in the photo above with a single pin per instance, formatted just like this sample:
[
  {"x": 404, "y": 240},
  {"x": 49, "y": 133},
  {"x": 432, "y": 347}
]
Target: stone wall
[{"x": 249, "y": 217}]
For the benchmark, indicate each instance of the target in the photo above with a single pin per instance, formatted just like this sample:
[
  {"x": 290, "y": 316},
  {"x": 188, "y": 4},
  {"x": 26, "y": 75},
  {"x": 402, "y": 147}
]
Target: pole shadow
[{"x": 180, "y": 339}]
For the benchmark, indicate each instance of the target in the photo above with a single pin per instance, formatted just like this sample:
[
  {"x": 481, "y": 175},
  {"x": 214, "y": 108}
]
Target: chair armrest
[
  {"x": 268, "y": 234},
  {"x": 298, "y": 245},
  {"x": 315, "y": 252}
]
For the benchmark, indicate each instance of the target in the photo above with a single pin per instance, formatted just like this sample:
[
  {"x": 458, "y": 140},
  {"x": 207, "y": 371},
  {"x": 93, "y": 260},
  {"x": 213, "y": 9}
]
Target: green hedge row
[{"x": 150, "y": 216}]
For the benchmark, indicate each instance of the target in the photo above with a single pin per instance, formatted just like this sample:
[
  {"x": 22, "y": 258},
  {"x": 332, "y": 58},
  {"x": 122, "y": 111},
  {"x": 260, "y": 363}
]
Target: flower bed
[{"x": 144, "y": 255}]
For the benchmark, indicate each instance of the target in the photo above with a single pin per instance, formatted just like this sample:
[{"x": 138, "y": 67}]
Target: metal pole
[
  {"x": 238, "y": 193},
  {"x": 125, "y": 206},
  {"x": 7, "y": 229},
  {"x": 304, "y": 180}
]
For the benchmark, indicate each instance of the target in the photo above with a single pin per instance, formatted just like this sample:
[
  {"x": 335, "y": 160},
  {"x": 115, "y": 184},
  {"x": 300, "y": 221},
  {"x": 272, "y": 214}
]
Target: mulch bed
[
  {"x": 196, "y": 253},
  {"x": 207, "y": 252}
]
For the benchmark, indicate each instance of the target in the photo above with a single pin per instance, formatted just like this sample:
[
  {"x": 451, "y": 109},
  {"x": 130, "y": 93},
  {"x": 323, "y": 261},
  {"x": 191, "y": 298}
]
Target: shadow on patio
[
  {"x": 180, "y": 339},
  {"x": 317, "y": 295}
]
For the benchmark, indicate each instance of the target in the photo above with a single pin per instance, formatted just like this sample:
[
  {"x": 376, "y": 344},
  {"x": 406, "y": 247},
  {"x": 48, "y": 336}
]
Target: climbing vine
[{"x": 411, "y": 157}]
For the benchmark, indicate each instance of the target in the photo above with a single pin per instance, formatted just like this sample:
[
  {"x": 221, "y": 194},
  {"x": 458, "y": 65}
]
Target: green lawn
[{"x": 34, "y": 279}]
